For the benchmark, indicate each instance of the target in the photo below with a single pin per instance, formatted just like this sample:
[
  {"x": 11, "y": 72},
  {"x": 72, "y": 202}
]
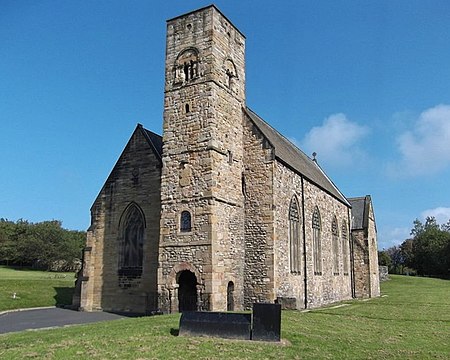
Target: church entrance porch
[{"x": 187, "y": 291}]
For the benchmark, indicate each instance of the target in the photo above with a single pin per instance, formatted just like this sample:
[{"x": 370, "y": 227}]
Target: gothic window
[
  {"x": 131, "y": 241},
  {"x": 294, "y": 236},
  {"x": 345, "y": 254},
  {"x": 185, "y": 221},
  {"x": 186, "y": 66},
  {"x": 335, "y": 245},
  {"x": 317, "y": 246}
]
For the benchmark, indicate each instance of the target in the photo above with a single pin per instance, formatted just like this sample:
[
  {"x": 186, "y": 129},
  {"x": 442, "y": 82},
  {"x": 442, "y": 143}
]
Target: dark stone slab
[
  {"x": 215, "y": 324},
  {"x": 266, "y": 322}
]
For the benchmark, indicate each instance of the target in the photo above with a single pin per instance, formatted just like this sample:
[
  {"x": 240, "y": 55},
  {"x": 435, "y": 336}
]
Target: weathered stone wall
[
  {"x": 373, "y": 255},
  {"x": 365, "y": 248},
  {"x": 326, "y": 288},
  {"x": 361, "y": 263},
  {"x": 203, "y": 153},
  {"x": 288, "y": 285},
  {"x": 259, "y": 214},
  {"x": 135, "y": 178}
]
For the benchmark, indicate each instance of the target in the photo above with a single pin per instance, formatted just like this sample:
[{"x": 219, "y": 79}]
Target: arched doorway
[
  {"x": 187, "y": 291},
  {"x": 230, "y": 296}
]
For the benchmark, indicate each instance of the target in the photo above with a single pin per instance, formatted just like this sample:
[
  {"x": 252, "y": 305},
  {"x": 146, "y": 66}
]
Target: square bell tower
[{"x": 201, "y": 251}]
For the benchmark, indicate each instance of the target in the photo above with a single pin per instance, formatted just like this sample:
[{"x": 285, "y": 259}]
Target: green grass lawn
[
  {"x": 34, "y": 288},
  {"x": 410, "y": 321}
]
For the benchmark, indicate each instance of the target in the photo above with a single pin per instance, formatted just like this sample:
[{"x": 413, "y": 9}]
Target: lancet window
[
  {"x": 317, "y": 246},
  {"x": 294, "y": 236},
  {"x": 335, "y": 245}
]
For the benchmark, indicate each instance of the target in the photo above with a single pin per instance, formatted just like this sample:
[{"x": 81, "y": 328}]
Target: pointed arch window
[
  {"x": 317, "y": 246},
  {"x": 335, "y": 245},
  {"x": 294, "y": 236},
  {"x": 345, "y": 253},
  {"x": 132, "y": 232},
  {"x": 185, "y": 221}
]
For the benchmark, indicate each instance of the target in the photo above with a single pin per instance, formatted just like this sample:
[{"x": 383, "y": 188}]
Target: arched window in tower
[
  {"x": 335, "y": 245},
  {"x": 294, "y": 236},
  {"x": 185, "y": 221},
  {"x": 131, "y": 251},
  {"x": 317, "y": 246},
  {"x": 345, "y": 253},
  {"x": 186, "y": 66},
  {"x": 230, "y": 73}
]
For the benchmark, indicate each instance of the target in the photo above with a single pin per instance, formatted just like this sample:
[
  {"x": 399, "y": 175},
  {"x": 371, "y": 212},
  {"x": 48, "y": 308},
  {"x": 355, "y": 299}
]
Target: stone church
[{"x": 222, "y": 210}]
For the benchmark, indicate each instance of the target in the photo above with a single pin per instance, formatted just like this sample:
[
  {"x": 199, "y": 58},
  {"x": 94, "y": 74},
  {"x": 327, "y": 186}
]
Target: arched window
[
  {"x": 317, "y": 246},
  {"x": 335, "y": 245},
  {"x": 345, "y": 255},
  {"x": 185, "y": 221},
  {"x": 131, "y": 241},
  {"x": 230, "y": 296},
  {"x": 186, "y": 66},
  {"x": 294, "y": 236}
]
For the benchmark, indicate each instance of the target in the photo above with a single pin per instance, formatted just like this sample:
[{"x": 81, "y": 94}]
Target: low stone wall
[{"x": 384, "y": 274}]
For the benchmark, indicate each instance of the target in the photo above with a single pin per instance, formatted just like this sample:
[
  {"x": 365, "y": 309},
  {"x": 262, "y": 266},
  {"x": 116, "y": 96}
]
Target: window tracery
[
  {"x": 335, "y": 245},
  {"x": 294, "y": 236},
  {"x": 345, "y": 254},
  {"x": 317, "y": 246}
]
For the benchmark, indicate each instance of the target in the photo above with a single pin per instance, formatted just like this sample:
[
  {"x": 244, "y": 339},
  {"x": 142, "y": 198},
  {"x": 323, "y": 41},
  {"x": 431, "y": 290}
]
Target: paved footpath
[{"x": 49, "y": 317}]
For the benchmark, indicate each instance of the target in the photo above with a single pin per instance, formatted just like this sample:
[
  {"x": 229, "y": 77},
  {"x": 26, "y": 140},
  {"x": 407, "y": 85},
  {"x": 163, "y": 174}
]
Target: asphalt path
[{"x": 49, "y": 318}]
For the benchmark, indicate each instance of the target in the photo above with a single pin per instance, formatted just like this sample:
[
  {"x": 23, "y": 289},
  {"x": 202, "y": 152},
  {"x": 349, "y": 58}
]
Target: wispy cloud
[
  {"x": 425, "y": 149},
  {"x": 392, "y": 237},
  {"x": 441, "y": 214},
  {"x": 336, "y": 141}
]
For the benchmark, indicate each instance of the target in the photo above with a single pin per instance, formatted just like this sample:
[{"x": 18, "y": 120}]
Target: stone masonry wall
[
  {"x": 287, "y": 184},
  {"x": 373, "y": 256},
  {"x": 326, "y": 288},
  {"x": 135, "y": 178},
  {"x": 361, "y": 263},
  {"x": 259, "y": 242}
]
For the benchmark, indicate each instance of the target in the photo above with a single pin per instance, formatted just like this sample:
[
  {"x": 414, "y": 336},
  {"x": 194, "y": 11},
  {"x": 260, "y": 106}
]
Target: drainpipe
[{"x": 304, "y": 247}]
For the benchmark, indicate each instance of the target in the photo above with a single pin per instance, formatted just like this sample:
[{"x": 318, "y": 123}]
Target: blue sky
[{"x": 365, "y": 84}]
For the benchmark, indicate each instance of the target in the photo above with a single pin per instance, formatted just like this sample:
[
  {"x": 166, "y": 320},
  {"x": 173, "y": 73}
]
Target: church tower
[{"x": 201, "y": 250}]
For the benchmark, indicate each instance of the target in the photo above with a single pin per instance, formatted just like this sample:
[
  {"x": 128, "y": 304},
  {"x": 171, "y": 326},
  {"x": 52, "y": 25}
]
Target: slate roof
[
  {"x": 360, "y": 212},
  {"x": 154, "y": 140},
  {"x": 294, "y": 158}
]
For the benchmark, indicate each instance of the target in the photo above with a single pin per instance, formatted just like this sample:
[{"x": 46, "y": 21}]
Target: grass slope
[
  {"x": 34, "y": 288},
  {"x": 411, "y": 321}
]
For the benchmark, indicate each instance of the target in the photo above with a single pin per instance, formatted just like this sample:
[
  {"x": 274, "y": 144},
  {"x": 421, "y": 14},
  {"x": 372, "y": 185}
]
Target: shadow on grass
[
  {"x": 63, "y": 296},
  {"x": 174, "y": 332}
]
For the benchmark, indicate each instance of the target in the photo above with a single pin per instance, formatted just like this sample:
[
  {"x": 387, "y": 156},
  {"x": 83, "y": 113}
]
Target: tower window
[
  {"x": 186, "y": 108},
  {"x": 185, "y": 221}
]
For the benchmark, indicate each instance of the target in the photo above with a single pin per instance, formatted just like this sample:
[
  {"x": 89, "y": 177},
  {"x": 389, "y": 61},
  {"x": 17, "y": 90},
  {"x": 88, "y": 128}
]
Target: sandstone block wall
[
  {"x": 135, "y": 178},
  {"x": 259, "y": 216},
  {"x": 321, "y": 289}
]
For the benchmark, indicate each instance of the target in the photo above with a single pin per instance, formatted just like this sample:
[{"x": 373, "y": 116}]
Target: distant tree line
[
  {"x": 426, "y": 253},
  {"x": 44, "y": 245}
]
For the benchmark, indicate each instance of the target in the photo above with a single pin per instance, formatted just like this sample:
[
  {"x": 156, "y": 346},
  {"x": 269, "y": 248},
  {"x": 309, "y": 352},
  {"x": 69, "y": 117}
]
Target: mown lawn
[
  {"x": 410, "y": 321},
  {"x": 34, "y": 288}
]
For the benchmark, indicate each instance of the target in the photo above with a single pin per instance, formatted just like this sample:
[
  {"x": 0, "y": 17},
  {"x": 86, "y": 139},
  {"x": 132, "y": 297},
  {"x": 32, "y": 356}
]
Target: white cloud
[
  {"x": 425, "y": 149},
  {"x": 441, "y": 214},
  {"x": 336, "y": 141},
  {"x": 392, "y": 237}
]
